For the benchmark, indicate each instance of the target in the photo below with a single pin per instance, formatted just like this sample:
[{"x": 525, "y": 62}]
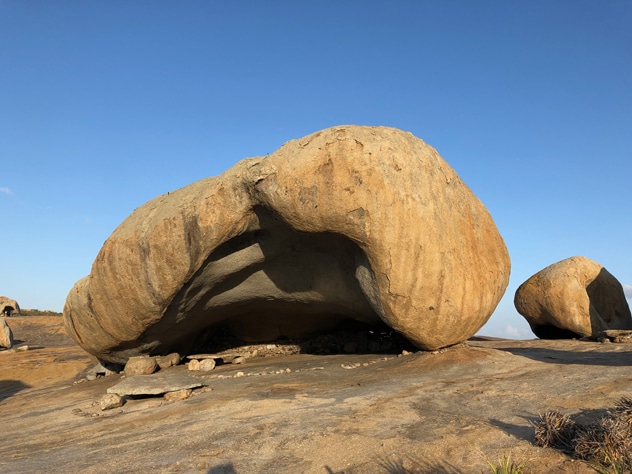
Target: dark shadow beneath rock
[
  {"x": 558, "y": 356},
  {"x": 548, "y": 331},
  {"x": 223, "y": 469},
  {"x": 517, "y": 430},
  {"x": 8, "y": 388},
  {"x": 351, "y": 338}
]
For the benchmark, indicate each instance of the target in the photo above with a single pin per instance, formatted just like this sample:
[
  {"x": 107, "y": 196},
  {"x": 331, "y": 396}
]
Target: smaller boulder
[
  {"x": 573, "y": 298},
  {"x": 207, "y": 364},
  {"x": 140, "y": 365},
  {"x": 181, "y": 394},
  {"x": 110, "y": 401},
  {"x": 169, "y": 360},
  {"x": 6, "y": 335}
]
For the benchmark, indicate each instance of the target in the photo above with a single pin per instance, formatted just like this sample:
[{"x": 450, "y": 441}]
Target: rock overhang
[
  {"x": 361, "y": 223},
  {"x": 269, "y": 282}
]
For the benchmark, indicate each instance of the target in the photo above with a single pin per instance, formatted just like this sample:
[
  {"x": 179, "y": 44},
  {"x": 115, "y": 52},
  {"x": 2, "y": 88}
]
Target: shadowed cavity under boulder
[{"x": 268, "y": 283}]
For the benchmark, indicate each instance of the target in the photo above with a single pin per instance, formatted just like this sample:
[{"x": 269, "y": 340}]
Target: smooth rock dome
[
  {"x": 575, "y": 297},
  {"x": 350, "y": 223}
]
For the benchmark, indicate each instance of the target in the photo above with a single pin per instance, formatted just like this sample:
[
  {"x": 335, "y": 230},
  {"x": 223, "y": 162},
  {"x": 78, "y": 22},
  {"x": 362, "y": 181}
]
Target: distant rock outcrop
[
  {"x": 8, "y": 306},
  {"x": 575, "y": 297},
  {"x": 350, "y": 223}
]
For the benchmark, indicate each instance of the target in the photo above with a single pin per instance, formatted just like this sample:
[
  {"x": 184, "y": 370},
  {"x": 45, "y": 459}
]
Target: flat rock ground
[{"x": 443, "y": 412}]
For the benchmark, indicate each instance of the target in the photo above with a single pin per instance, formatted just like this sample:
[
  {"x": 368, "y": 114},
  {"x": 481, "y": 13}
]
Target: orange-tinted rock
[
  {"x": 350, "y": 223},
  {"x": 576, "y": 297}
]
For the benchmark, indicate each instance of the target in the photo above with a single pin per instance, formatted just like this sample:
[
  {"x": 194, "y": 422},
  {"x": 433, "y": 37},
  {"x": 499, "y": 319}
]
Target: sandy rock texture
[
  {"x": 446, "y": 411},
  {"x": 575, "y": 297},
  {"x": 351, "y": 223},
  {"x": 51, "y": 356}
]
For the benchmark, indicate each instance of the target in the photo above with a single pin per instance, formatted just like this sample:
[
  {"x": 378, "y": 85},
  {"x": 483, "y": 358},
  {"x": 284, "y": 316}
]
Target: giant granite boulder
[
  {"x": 350, "y": 223},
  {"x": 575, "y": 297}
]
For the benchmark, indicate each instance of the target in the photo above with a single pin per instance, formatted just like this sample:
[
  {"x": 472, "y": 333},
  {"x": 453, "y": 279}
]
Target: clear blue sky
[{"x": 105, "y": 105}]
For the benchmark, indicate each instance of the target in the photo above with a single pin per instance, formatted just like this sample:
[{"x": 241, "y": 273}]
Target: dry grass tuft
[
  {"x": 608, "y": 441},
  {"x": 555, "y": 430},
  {"x": 605, "y": 444},
  {"x": 623, "y": 409}
]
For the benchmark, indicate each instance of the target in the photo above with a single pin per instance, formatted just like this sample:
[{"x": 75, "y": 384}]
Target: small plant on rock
[
  {"x": 613, "y": 468},
  {"x": 506, "y": 466}
]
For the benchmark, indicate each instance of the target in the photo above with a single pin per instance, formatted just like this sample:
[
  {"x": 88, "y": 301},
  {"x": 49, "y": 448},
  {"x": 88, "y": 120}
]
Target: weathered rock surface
[
  {"x": 9, "y": 306},
  {"x": 54, "y": 357},
  {"x": 350, "y": 223},
  {"x": 575, "y": 297},
  {"x": 442, "y": 412},
  {"x": 6, "y": 335}
]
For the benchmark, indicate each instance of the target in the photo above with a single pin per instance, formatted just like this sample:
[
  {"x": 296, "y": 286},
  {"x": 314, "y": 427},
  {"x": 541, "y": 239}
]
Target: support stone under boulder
[
  {"x": 576, "y": 297},
  {"x": 6, "y": 335},
  {"x": 366, "y": 224}
]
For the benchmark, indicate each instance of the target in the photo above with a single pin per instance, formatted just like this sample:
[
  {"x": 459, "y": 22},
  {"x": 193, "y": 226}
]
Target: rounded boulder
[
  {"x": 356, "y": 223},
  {"x": 576, "y": 297}
]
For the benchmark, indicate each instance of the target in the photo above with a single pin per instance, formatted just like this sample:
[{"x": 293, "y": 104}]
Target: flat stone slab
[
  {"x": 206, "y": 356},
  {"x": 155, "y": 384},
  {"x": 234, "y": 358}
]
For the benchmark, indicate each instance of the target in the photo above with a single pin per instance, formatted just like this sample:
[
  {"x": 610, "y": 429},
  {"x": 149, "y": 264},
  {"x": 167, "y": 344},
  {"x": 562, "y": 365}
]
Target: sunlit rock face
[
  {"x": 350, "y": 223},
  {"x": 8, "y": 306},
  {"x": 575, "y": 297}
]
